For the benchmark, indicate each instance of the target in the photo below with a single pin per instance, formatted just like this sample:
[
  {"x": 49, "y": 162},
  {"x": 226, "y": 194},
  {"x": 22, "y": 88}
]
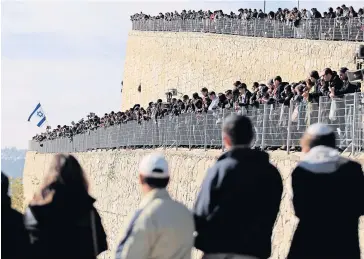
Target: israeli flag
[{"x": 37, "y": 116}]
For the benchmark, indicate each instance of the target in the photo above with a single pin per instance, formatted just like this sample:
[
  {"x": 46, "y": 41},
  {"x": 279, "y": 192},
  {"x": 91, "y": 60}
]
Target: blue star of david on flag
[
  {"x": 40, "y": 113},
  {"x": 37, "y": 116}
]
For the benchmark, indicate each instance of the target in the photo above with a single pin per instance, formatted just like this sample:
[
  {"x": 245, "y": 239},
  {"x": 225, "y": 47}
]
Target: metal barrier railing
[
  {"x": 275, "y": 125},
  {"x": 344, "y": 29}
]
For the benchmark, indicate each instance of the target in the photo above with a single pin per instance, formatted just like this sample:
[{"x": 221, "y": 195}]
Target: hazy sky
[{"x": 69, "y": 55}]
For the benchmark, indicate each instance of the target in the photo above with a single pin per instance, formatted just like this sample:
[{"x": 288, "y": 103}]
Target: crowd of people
[
  {"x": 233, "y": 217},
  {"x": 239, "y": 99},
  {"x": 247, "y": 14}
]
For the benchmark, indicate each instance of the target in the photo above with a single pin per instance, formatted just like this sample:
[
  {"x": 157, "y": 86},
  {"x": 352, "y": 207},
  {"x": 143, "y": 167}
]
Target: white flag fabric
[{"x": 38, "y": 116}]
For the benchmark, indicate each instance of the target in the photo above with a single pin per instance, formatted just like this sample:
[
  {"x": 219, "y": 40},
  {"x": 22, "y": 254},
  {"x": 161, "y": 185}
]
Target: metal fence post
[
  {"x": 349, "y": 26},
  {"x": 264, "y": 125},
  {"x": 289, "y": 126},
  {"x": 152, "y": 122},
  {"x": 353, "y": 141},
  {"x": 255, "y": 27},
  {"x": 319, "y": 110},
  {"x": 177, "y": 131},
  {"x": 239, "y": 23},
  {"x": 189, "y": 132},
  {"x": 127, "y": 139},
  {"x": 320, "y": 29},
  {"x": 274, "y": 29},
  {"x": 222, "y": 125},
  {"x": 205, "y": 133}
]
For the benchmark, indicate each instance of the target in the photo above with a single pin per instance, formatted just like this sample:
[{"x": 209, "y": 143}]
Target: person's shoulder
[
  {"x": 161, "y": 210},
  {"x": 14, "y": 218},
  {"x": 342, "y": 165},
  {"x": 225, "y": 162},
  {"x": 351, "y": 166}
]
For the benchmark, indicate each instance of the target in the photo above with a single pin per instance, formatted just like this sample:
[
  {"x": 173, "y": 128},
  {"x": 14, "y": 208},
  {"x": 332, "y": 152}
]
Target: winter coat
[
  {"x": 238, "y": 204},
  {"x": 15, "y": 240},
  {"x": 160, "y": 228},
  {"x": 328, "y": 198},
  {"x": 60, "y": 231},
  {"x": 347, "y": 88}
]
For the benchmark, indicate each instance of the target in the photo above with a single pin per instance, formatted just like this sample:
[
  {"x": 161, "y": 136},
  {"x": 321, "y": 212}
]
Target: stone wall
[
  {"x": 189, "y": 61},
  {"x": 113, "y": 181}
]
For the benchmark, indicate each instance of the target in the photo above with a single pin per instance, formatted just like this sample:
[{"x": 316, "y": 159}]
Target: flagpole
[{"x": 264, "y": 7}]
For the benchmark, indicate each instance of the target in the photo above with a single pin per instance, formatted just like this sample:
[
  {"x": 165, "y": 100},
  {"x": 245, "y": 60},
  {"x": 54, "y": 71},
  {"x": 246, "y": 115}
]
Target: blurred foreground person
[
  {"x": 239, "y": 199},
  {"x": 61, "y": 219},
  {"x": 328, "y": 198},
  {"x": 14, "y": 238},
  {"x": 161, "y": 227}
]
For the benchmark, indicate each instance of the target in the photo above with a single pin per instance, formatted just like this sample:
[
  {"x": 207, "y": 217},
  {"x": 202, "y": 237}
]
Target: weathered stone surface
[
  {"x": 189, "y": 61},
  {"x": 113, "y": 181}
]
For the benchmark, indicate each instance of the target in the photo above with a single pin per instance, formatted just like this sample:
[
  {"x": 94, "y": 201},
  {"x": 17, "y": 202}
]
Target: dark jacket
[
  {"x": 254, "y": 99},
  {"x": 198, "y": 105},
  {"x": 321, "y": 89},
  {"x": 285, "y": 98},
  {"x": 328, "y": 198},
  {"x": 347, "y": 88},
  {"x": 279, "y": 90},
  {"x": 335, "y": 82},
  {"x": 14, "y": 238},
  {"x": 246, "y": 100},
  {"x": 238, "y": 204},
  {"x": 59, "y": 231},
  {"x": 229, "y": 104}
]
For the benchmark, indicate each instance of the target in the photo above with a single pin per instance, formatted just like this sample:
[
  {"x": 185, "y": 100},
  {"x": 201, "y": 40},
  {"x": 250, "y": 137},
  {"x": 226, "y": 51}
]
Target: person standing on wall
[
  {"x": 61, "y": 219},
  {"x": 239, "y": 200},
  {"x": 328, "y": 199},
  {"x": 161, "y": 228}
]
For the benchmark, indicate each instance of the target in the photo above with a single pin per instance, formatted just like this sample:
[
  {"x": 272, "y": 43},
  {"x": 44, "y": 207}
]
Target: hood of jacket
[{"x": 322, "y": 160}]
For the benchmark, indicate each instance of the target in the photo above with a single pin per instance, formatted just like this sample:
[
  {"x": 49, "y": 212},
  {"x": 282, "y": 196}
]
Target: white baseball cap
[
  {"x": 154, "y": 165},
  {"x": 319, "y": 129}
]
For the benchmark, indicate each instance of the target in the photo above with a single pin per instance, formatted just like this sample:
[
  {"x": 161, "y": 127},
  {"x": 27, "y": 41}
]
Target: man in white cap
[
  {"x": 161, "y": 227},
  {"x": 328, "y": 198}
]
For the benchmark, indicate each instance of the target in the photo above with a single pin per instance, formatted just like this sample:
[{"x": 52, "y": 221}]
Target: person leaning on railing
[
  {"x": 347, "y": 87},
  {"x": 317, "y": 87}
]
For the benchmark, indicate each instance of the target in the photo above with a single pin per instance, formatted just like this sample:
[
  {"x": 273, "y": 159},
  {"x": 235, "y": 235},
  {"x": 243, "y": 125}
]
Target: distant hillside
[{"x": 12, "y": 161}]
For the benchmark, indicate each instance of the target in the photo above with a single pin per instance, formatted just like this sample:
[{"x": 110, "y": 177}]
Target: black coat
[
  {"x": 347, "y": 88},
  {"x": 14, "y": 238},
  {"x": 321, "y": 89},
  {"x": 246, "y": 101},
  {"x": 279, "y": 90},
  {"x": 238, "y": 204},
  {"x": 61, "y": 232},
  {"x": 335, "y": 82},
  {"x": 328, "y": 198},
  {"x": 285, "y": 98}
]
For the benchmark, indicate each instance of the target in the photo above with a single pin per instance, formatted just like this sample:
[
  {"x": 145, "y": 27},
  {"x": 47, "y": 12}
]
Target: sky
[{"x": 69, "y": 56}]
